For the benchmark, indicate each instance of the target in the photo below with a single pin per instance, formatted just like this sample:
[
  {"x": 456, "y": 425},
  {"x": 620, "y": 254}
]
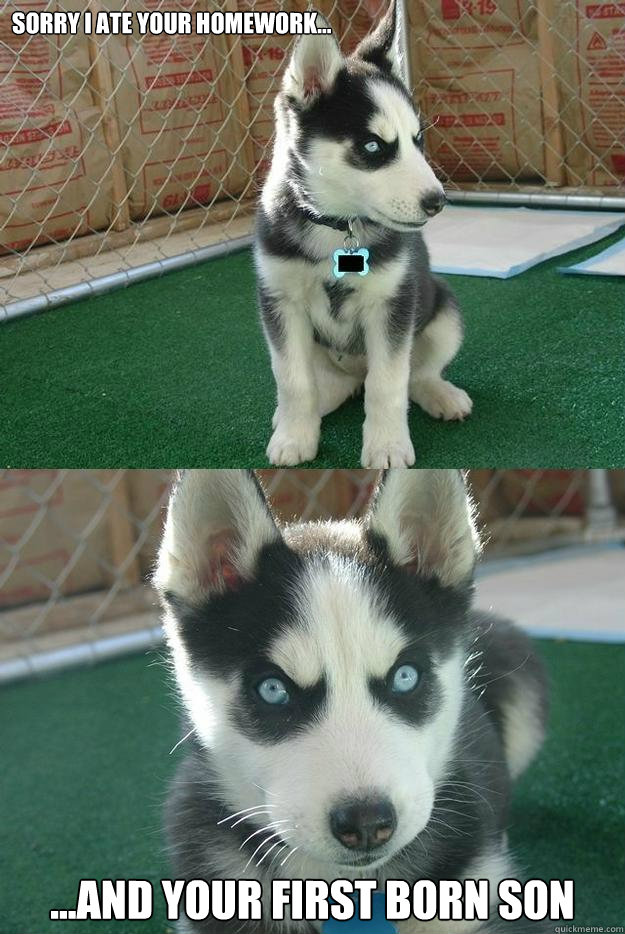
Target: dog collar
[
  {"x": 352, "y": 258},
  {"x": 336, "y": 223}
]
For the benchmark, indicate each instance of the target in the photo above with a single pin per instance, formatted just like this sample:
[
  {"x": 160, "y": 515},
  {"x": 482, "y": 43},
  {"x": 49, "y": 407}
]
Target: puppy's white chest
[{"x": 340, "y": 309}]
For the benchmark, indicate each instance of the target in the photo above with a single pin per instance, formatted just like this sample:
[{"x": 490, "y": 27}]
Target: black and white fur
[
  {"x": 332, "y": 609},
  {"x": 395, "y": 329}
]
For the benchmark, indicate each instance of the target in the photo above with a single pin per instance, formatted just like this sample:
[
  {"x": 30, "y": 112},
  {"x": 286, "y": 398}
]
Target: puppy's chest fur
[{"x": 343, "y": 310}]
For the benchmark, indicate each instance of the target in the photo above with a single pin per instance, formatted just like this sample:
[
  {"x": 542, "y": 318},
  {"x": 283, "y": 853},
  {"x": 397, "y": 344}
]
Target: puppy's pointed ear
[
  {"x": 381, "y": 47},
  {"x": 426, "y": 519},
  {"x": 313, "y": 67},
  {"x": 217, "y": 523}
]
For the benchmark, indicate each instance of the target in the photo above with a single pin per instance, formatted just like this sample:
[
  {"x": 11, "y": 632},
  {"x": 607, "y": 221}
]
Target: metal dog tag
[
  {"x": 351, "y": 258},
  {"x": 351, "y": 261}
]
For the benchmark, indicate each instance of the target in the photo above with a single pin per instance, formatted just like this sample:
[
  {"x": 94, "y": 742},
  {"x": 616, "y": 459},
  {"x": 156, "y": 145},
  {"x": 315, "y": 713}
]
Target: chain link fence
[
  {"x": 77, "y": 546},
  {"x": 125, "y": 156}
]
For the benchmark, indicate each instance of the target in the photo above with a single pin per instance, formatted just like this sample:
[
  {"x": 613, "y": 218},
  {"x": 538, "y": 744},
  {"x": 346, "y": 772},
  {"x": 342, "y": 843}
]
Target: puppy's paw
[
  {"x": 292, "y": 443},
  {"x": 382, "y": 450},
  {"x": 441, "y": 399}
]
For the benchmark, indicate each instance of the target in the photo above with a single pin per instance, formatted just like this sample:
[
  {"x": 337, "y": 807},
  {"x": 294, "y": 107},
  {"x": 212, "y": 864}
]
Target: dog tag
[
  {"x": 346, "y": 261},
  {"x": 376, "y": 925}
]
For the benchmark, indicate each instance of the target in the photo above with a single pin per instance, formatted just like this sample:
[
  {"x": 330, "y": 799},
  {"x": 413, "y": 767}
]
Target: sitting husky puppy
[
  {"x": 348, "y": 157},
  {"x": 351, "y": 715}
]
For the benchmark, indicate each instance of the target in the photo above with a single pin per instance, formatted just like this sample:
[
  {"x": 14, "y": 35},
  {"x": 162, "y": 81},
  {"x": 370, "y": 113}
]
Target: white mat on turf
[
  {"x": 610, "y": 262},
  {"x": 570, "y": 594},
  {"x": 503, "y": 242}
]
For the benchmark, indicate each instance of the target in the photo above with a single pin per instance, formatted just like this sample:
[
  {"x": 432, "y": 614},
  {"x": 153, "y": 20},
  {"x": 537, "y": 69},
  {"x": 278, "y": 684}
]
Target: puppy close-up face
[
  {"x": 321, "y": 664},
  {"x": 355, "y": 138}
]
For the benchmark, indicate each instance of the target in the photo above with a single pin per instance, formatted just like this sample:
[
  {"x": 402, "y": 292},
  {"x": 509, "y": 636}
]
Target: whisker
[
  {"x": 257, "y": 807},
  {"x": 265, "y": 855},
  {"x": 242, "y": 811},
  {"x": 446, "y": 810},
  {"x": 259, "y": 847},
  {"x": 506, "y": 674},
  {"x": 270, "y": 826},
  {"x": 474, "y": 788},
  {"x": 249, "y": 817},
  {"x": 276, "y": 855},
  {"x": 429, "y": 123},
  {"x": 456, "y": 830},
  {"x": 180, "y": 742},
  {"x": 288, "y": 856},
  {"x": 265, "y": 790}
]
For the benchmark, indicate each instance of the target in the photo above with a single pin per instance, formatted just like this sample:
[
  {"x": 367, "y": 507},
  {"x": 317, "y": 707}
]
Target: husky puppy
[
  {"x": 351, "y": 716},
  {"x": 349, "y": 149}
]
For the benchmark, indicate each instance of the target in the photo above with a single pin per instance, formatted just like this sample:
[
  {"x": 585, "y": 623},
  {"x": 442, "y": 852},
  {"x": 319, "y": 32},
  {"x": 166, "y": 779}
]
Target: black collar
[{"x": 336, "y": 223}]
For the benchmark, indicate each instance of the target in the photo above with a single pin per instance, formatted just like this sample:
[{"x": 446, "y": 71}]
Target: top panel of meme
[
  {"x": 312, "y": 466},
  {"x": 239, "y": 234}
]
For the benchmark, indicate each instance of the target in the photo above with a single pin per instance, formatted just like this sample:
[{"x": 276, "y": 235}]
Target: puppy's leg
[
  {"x": 296, "y": 422},
  {"x": 433, "y": 348},
  {"x": 385, "y": 438},
  {"x": 333, "y": 384}
]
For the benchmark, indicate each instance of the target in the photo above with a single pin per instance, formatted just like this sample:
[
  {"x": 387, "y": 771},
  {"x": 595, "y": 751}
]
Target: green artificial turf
[
  {"x": 85, "y": 761},
  {"x": 174, "y": 372}
]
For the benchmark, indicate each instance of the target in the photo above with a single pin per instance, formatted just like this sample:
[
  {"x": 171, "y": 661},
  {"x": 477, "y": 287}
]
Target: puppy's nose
[
  {"x": 363, "y": 824},
  {"x": 433, "y": 202}
]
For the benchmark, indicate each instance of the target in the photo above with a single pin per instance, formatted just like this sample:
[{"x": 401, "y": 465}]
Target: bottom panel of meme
[{"x": 296, "y": 701}]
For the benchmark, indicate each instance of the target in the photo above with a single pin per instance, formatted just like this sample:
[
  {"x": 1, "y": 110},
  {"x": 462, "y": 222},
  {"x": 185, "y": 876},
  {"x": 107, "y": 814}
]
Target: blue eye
[
  {"x": 372, "y": 146},
  {"x": 405, "y": 679},
  {"x": 418, "y": 139},
  {"x": 273, "y": 691}
]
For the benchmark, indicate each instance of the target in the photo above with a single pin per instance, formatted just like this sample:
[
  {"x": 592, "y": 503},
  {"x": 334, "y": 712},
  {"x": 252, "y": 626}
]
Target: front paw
[
  {"x": 381, "y": 448},
  {"x": 441, "y": 399},
  {"x": 293, "y": 442}
]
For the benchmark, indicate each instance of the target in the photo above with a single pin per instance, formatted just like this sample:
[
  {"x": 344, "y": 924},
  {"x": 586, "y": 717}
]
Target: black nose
[
  {"x": 363, "y": 824},
  {"x": 433, "y": 202}
]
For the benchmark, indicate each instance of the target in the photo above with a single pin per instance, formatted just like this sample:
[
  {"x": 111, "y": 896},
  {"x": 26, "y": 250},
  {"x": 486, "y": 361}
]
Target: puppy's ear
[
  {"x": 313, "y": 67},
  {"x": 217, "y": 522},
  {"x": 381, "y": 47},
  {"x": 426, "y": 518}
]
